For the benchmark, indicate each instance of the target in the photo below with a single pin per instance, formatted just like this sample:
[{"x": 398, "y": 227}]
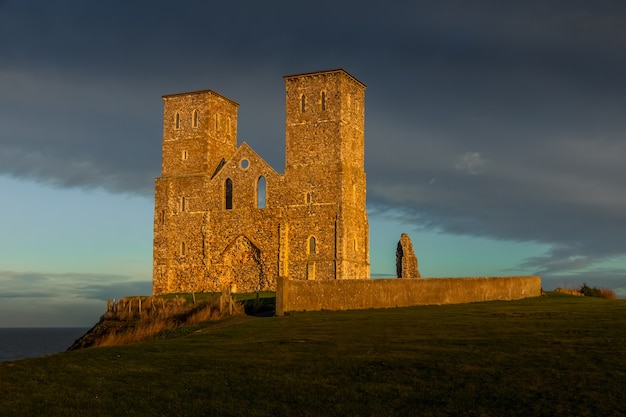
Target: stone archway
[{"x": 242, "y": 266}]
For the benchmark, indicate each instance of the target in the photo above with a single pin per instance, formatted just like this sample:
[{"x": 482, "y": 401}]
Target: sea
[{"x": 33, "y": 342}]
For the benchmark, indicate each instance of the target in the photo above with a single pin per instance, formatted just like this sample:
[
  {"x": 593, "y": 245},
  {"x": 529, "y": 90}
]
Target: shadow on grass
[
  {"x": 259, "y": 305},
  {"x": 256, "y": 304}
]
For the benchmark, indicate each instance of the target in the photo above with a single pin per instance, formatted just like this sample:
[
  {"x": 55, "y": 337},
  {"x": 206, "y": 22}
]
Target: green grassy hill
[{"x": 550, "y": 356}]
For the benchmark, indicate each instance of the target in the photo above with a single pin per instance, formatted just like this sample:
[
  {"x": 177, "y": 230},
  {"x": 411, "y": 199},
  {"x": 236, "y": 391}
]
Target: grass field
[{"x": 556, "y": 355}]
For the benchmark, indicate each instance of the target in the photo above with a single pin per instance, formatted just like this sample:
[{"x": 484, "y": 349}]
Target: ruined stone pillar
[{"x": 406, "y": 261}]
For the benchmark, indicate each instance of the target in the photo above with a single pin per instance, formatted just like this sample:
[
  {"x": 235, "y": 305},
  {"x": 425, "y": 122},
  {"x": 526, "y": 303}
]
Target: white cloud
[{"x": 471, "y": 163}]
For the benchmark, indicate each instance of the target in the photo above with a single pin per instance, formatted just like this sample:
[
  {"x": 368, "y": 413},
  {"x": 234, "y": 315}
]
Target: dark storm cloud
[
  {"x": 522, "y": 140},
  {"x": 483, "y": 118}
]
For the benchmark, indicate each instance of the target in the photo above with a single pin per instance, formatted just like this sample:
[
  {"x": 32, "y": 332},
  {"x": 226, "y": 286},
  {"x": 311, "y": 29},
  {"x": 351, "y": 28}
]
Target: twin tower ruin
[{"x": 224, "y": 218}]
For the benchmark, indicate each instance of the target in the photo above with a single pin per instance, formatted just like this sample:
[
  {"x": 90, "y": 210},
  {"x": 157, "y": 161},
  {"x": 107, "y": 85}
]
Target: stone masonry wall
[
  {"x": 388, "y": 293},
  {"x": 406, "y": 261},
  {"x": 213, "y": 229},
  {"x": 325, "y": 159}
]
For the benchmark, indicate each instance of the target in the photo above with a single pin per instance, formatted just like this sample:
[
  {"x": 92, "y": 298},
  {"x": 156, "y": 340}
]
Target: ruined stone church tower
[{"x": 225, "y": 218}]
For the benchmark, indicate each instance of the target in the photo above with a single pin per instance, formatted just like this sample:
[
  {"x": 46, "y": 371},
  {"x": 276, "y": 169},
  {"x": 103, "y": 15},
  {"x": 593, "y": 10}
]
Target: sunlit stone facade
[{"x": 224, "y": 218}]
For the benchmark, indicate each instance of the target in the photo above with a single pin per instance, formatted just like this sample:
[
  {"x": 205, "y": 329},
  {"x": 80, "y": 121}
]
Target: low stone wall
[
  {"x": 569, "y": 292},
  {"x": 294, "y": 295}
]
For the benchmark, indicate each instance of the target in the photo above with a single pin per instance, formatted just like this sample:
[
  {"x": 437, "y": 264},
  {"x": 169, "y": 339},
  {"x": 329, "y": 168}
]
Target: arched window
[
  {"x": 194, "y": 119},
  {"x": 229, "y": 194},
  {"x": 312, "y": 246},
  {"x": 261, "y": 186},
  {"x": 323, "y": 100},
  {"x": 177, "y": 120},
  {"x": 303, "y": 103},
  {"x": 309, "y": 198}
]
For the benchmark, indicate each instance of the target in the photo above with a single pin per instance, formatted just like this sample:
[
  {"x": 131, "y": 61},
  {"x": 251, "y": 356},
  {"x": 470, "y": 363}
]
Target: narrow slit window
[
  {"x": 183, "y": 249},
  {"x": 229, "y": 194},
  {"x": 183, "y": 204},
  {"x": 261, "y": 188},
  {"x": 310, "y": 271},
  {"x": 194, "y": 121},
  {"x": 312, "y": 249},
  {"x": 323, "y": 100},
  {"x": 177, "y": 120},
  {"x": 303, "y": 103}
]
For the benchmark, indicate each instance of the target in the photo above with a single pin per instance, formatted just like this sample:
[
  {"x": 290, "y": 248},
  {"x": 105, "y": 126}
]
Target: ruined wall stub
[
  {"x": 406, "y": 261},
  {"x": 225, "y": 218}
]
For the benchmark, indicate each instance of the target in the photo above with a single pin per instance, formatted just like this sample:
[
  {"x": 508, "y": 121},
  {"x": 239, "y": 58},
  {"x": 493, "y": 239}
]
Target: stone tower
[
  {"x": 324, "y": 164},
  {"x": 224, "y": 217},
  {"x": 199, "y": 129}
]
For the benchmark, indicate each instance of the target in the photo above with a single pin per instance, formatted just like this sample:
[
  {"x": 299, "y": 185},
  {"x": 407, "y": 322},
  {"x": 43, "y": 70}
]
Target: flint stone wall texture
[
  {"x": 212, "y": 228},
  {"x": 406, "y": 261},
  {"x": 388, "y": 293}
]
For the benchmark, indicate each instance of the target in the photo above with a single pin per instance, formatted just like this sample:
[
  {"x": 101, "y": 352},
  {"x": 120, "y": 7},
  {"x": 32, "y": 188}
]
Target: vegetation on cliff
[
  {"x": 134, "y": 319},
  {"x": 597, "y": 292}
]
